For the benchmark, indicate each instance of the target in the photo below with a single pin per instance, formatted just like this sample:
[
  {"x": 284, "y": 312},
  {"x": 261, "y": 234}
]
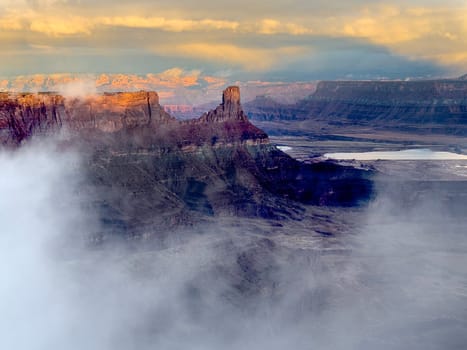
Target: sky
[{"x": 279, "y": 40}]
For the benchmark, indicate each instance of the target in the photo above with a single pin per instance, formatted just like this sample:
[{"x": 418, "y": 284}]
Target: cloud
[
  {"x": 69, "y": 82},
  {"x": 249, "y": 58},
  {"x": 78, "y": 88},
  {"x": 63, "y": 26},
  {"x": 272, "y": 26},
  {"x": 38, "y": 180},
  {"x": 435, "y": 33},
  {"x": 416, "y": 30},
  {"x": 10, "y": 23},
  {"x": 397, "y": 280},
  {"x": 169, "y": 24}
]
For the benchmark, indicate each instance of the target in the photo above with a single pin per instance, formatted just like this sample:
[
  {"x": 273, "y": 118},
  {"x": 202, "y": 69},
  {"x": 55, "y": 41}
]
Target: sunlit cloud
[
  {"x": 62, "y": 26},
  {"x": 273, "y": 26},
  {"x": 169, "y": 24},
  {"x": 392, "y": 25},
  {"x": 438, "y": 34},
  {"x": 169, "y": 79},
  {"x": 10, "y": 23},
  {"x": 255, "y": 39},
  {"x": 249, "y": 58}
]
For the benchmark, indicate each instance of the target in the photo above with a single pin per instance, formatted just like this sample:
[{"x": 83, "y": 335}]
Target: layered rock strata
[
  {"x": 437, "y": 106},
  {"x": 146, "y": 170}
]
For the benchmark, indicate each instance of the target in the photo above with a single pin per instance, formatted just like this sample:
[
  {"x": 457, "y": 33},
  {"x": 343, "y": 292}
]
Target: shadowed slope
[{"x": 147, "y": 171}]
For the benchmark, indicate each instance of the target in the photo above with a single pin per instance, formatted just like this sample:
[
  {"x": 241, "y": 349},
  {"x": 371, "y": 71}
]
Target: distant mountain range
[{"x": 175, "y": 87}]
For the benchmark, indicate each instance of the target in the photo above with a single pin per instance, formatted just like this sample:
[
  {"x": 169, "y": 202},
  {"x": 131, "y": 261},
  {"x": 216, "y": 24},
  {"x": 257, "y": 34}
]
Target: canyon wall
[
  {"x": 146, "y": 171},
  {"x": 438, "y": 106}
]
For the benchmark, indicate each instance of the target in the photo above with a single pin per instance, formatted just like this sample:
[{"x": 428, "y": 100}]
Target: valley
[
  {"x": 209, "y": 232},
  {"x": 219, "y": 175}
]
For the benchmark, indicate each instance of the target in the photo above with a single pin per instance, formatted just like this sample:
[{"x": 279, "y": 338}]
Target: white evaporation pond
[
  {"x": 410, "y": 154},
  {"x": 284, "y": 148}
]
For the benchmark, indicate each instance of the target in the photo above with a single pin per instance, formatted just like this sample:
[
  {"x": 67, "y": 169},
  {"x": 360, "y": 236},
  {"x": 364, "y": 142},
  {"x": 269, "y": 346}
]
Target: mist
[
  {"x": 79, "y": 88},
  {"x": 397, "y": 281}
]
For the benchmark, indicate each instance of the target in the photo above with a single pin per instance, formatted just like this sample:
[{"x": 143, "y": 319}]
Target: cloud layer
[{"x": 256, "y": 39}]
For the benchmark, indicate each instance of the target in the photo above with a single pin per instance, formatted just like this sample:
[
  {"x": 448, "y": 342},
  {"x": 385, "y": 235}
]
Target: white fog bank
[{"x": 396, "y": 282}]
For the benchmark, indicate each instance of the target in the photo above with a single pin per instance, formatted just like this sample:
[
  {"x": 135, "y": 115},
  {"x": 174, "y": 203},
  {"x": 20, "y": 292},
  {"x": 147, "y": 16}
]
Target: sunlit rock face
[
  {"x": 115, "y": 111},
  {"x": 25, "y": 115},
  {"x": 230, "y": 109}
]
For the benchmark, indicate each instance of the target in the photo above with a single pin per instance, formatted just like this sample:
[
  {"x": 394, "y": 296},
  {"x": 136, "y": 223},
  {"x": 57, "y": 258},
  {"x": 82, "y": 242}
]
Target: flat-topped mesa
[
  {"x": 25, "y": 115},
  {"x": 112, "y": 112},
  {"x": 137, "y": 118},
  {"x": 394, "y": 93},
  {"x": 229, "y": 110}
]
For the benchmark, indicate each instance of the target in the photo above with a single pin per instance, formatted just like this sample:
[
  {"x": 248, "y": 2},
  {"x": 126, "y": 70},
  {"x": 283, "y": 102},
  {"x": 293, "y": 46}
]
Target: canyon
[
  {"x": 342, "y": 116},
  {"x": 144, "y": 169},
  {"x": 152, "y": 231}
]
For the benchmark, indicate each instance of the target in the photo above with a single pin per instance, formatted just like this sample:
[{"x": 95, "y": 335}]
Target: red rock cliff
[{"x": 25, "y": 115}]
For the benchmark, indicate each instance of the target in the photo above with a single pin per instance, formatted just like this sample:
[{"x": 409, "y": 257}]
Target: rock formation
[
  {"x": 230, "y": 109},
  {"x": 146, "y": 170},
  {"x": 25, "y": 115},
  {"x": 439, "y": 106}
]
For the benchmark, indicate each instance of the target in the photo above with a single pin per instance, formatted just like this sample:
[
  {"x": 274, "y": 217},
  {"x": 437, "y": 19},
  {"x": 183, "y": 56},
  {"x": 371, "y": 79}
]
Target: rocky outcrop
[
  {"x": 25, "y": 115},
  {"x": 229, "y": 110},
  {"x": 112, "y": 112},
  {"x": 146, "y": 170}
]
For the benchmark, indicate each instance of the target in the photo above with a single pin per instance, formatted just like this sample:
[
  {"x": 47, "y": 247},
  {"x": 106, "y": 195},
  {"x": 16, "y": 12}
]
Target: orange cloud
[
  {"x": 215, "y": 81},
  {"x": 169, "y": 79},
  {"x": 10, "y": 23},
  {"x": 169, "y": 24},
  {"x": 433, "y": 33},
  {"x": 388, "y": 25},
  {"x": 62, "y": 26},
  {"x": 437, "y": 33},
  {"x": 272, "y": 26},
  {"x": 250, "y": 58}
]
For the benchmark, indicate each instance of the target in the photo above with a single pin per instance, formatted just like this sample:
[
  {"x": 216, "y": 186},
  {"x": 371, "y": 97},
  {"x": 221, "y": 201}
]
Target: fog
[
  {"x": 398, "y": 281},
  {"x": 79, "y": 88}
]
